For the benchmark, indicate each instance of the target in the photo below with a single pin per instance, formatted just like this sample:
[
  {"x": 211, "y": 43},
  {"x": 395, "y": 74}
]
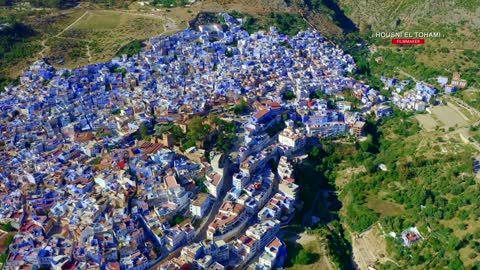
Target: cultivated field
[
  {"x": 369, "y": 248},
  {"x": 446, "y": 116},
  {"x": 449, "y": 117},
  {"x": 427, "y": 121}
]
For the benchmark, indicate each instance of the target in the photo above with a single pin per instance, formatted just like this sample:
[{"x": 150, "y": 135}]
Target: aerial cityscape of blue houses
[{"x": 84, "y": 192}]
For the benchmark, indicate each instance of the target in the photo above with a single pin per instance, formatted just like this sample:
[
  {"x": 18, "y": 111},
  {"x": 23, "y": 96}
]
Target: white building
[
  {"x": 214, "y": 183},
  {"x": 292, "y": 138},
  {"x": 420, "y": 106},
  {"x": 325, "y": 130},
  {"x": 240, "y": 179},
  {"x": 289, "y": 188},
  {"x": 263, "y": 232},
  {"x": 272, "y": 253},
  {"x": 200, "y": 205},
  {"x": 285, "y": 168}
]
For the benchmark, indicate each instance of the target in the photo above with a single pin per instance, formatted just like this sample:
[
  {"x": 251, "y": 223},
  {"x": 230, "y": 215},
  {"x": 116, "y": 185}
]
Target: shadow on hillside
[{"x": 340, "y": 18}]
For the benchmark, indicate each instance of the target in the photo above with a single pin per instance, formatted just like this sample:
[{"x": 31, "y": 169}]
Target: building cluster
[
  {"x": 453, "y": 85},
  {"x": 86, "y": 191},
  {"x": 416, "y": 99}
]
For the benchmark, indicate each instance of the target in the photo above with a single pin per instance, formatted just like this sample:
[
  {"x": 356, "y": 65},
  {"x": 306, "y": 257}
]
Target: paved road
[{"x": 202, "y": 231}]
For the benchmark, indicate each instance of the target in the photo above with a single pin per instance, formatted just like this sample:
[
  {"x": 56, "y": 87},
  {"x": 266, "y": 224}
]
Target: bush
[
  {"x": 286, "y": 23},
  {"x": 289, "y": 95},
  {"x": 8, "y": 240},
  {"x": 177, "y": 219},
  {"x": 304, "y": 257},
  {"x": 131, "y": 48},
  {"x": 241, "y": 108},
  {"x": 8, "y": 227},
  {"x": 360, "y": 217}
]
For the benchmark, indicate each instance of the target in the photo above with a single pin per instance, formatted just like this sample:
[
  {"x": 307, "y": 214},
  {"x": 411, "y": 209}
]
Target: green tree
[
  {"x": 143, "y": 131},
  {"x": 304, "y": 257},
  {"x": 197, "y": 130},
  {"x": 289, "y": 95},
  {"x": 131, "y": 48},
  {"x": 8, "y": 240},
  {"x": 241, "y": 108},
  {"x": 8, "y": 227}
]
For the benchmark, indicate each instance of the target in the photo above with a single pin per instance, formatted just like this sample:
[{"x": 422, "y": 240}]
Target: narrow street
[{"x": 202, "y": 230}]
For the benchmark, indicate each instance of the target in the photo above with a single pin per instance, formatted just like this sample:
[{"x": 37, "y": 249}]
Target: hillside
[
  {"x": 427, "y": 181},
  {"x": 388, "y": 15},
  {"x": 457, "y": 21},
  {"x": 353, "y": 22}
]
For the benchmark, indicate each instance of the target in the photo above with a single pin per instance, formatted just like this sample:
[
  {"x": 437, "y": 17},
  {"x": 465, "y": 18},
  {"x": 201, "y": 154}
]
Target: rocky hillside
[
  {"x": 456, "y": 21},
  {"x": 393, "y": 14}
]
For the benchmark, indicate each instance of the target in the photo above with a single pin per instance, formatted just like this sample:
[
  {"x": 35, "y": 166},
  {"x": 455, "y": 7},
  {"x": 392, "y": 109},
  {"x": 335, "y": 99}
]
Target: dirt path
[
  {"x": 462, "y": 104},
  {"x": 89, "y": 54},
  {"x": 170, "y": 26},
  {"x": 43, "y": 43},
  {"x": 72, "y": 24}
]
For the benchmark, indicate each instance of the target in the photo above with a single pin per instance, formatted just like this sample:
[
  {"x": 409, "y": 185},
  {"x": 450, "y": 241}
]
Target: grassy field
[
  {"x": 98, "y": 35},
  {"x": 312, "y": 245},
  {"x": 44, "y": 23},
  {"x": 383, "y": 206},
  {"x": 471, "y": 96}
]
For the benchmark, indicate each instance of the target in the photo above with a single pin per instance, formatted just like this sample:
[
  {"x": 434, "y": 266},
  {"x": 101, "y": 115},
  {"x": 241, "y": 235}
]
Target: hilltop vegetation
[
  {"x": 169, "y": 3},
  {"x": 351, "y": 22},
  {"x": 429, "y": 183},
  {"x": 71, "y": 37},
  {"x": 383, "y": 15},
  {"x": 17, "y": 42},
  {"x": 286, "y": 23}
]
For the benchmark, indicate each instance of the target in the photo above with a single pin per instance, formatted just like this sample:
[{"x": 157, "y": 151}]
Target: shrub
[{"x": 304, "y": 257}]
